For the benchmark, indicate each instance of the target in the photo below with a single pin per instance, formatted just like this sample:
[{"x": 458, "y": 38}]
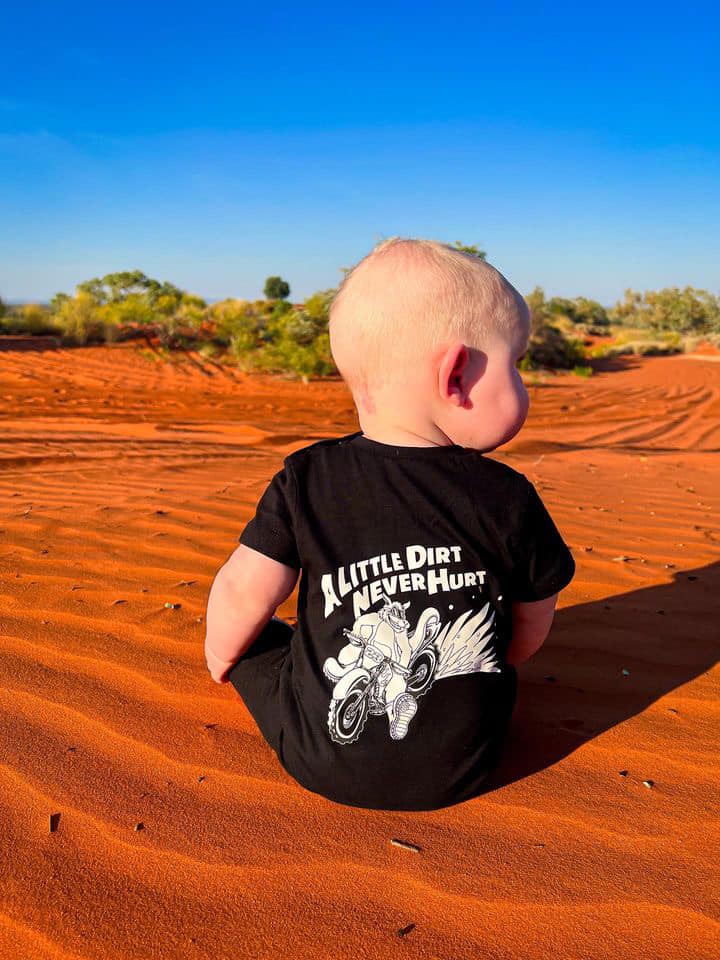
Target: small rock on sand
[{"x": 405, "y": 845}]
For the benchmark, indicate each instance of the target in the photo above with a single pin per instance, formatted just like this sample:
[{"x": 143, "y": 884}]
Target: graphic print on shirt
[{"x": 385, "y": 667}]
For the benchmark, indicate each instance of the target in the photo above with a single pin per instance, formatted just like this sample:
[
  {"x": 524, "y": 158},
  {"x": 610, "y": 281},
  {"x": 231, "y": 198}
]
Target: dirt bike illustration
[{"x": 362, "y": 680}]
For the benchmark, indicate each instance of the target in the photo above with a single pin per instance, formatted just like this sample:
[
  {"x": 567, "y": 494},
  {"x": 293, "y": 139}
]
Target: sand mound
[{"x": 124, "y": 483}]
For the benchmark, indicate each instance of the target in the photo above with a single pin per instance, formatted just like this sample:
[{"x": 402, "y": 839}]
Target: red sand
[{"x": 122, "y": 479}]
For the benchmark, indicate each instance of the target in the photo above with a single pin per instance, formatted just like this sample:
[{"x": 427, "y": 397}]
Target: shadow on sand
[
  {"x": 662, "y": 635},
  {"x": 27, "y": 342}
]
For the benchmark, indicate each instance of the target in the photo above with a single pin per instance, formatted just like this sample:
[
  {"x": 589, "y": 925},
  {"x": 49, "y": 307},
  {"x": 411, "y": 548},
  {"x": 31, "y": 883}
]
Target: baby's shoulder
[
  {"x": 496, "y": 470},
  {"x": 313, "y": 450}
]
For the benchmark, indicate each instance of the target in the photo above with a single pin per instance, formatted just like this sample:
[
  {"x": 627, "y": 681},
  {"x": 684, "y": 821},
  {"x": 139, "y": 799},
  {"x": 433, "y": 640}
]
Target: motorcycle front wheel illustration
[
  {"x": 422, "y": 671},
  {"x": 347, "y": 716}
]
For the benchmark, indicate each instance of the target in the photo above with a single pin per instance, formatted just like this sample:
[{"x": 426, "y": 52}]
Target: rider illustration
[
  {"x": 384, "y": 668},
  {"x": 381, "y": 646}
]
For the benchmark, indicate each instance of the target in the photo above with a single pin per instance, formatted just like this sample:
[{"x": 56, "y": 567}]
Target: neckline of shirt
[{"x": 360, "y": 441}]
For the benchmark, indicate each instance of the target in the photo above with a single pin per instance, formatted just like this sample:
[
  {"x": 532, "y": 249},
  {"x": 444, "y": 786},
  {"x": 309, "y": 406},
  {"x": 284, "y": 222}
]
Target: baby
[{"x": 427, "y": 570}]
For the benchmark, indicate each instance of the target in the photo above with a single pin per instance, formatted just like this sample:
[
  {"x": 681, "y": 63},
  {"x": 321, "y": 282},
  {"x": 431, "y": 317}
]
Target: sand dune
[{"x": 124, "y": 483}]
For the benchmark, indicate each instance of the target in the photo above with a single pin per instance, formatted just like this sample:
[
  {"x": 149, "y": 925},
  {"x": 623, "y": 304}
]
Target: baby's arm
[
  {"x": 244, "y": 596},
  {"x": 531, "y": 624}
]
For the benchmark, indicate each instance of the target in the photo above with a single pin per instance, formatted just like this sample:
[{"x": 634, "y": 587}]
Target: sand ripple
[{"x": 124, "y": 483}]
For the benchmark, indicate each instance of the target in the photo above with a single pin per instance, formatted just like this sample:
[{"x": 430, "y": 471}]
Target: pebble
[
  {"x": 172, "y": 606},
  {"x": 403, "y": 931},
  {"x": 625, "y": 673},
  {"x": 405, "y": 845},
  {"x": 648, "y": 783},
  {"x": 139, "y": 826},
  {"x": 623, "y": 773}
]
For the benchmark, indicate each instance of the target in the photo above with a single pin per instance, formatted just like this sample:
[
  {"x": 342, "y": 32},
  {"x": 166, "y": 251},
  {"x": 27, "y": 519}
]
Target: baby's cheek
[
  {"x": 515, "y": 408},
  {"x": 524, "y": 404}
]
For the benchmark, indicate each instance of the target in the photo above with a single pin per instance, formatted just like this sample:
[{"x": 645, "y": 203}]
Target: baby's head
[{"x": 427, "y": 339}]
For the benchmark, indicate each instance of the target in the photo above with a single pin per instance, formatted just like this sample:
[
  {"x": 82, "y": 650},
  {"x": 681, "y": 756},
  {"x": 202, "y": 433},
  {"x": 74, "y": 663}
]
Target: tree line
[{"x": 274, "y": 335}]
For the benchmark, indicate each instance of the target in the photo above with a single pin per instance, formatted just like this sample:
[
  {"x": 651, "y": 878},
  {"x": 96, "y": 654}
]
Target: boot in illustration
[{"x": 404, "y": 707}]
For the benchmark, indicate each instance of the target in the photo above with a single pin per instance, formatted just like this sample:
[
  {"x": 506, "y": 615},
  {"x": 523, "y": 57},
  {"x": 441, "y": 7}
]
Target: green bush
[
  {"x": 81, "y": 319},
  {"x": 293, "y": 340},
  {"x": 549, "y": 348},
  {"x": 641, "y": 348},
  {"x": 30, "y": 318},
  {"x": 686, "y": 310},
  {"x": 303, "y": 359},
  {"x": 238, "y": 324}
]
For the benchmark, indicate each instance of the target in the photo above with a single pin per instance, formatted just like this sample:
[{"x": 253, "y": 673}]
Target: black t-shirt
[{"x": 396, "y": 694}]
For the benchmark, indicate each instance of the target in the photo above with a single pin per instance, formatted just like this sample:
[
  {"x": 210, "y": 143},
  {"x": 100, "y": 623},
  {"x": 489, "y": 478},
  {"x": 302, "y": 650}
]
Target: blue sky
[{"x": 214, "y": 145}]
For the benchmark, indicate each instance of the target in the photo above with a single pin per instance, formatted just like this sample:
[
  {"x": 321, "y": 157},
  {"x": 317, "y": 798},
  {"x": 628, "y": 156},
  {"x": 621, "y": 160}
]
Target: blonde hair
[{"x": 405, "y": 299}]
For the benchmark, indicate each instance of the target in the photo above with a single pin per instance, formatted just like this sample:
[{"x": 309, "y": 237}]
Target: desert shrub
[
  {"x": 11, "y": 323},
  {"x": 551, "y": 343},
  {"x": 548, "y": 347},
  {"x": 134, "y": 309},
  {"x": 578, "y": 311},
  {"x": 582, "y": 371},
  {"x": 641, "y": 348},
  {"x": 651, "y": 348},
  {"x": 280, "y": 308},
  {"x": 191, "y": 311},
  {"x": 686, "y": 310},
  {"x": 81, "y": 319},
  {"x": 37, "y": 319},
  {"x": 124, "y": 304},
  {"x": 32, "y": 318},
  {"x": 312, "y": 358},
  {"x": 238, "y": 325},
  {"x": 297, "y": 340}
]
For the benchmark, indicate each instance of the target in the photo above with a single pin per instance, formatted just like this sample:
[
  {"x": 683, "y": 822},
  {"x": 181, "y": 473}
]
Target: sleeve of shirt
[
  {"x": 272, "y": 530},
  {"x": 544, "y": 564}
]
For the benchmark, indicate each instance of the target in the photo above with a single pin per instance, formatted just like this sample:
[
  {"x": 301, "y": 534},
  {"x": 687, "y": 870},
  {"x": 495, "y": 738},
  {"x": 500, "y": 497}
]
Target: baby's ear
[{"x": 452, "y": 372}]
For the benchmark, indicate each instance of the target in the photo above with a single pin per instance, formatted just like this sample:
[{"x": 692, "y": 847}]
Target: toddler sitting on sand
[{"x": 427, "y": 570}]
